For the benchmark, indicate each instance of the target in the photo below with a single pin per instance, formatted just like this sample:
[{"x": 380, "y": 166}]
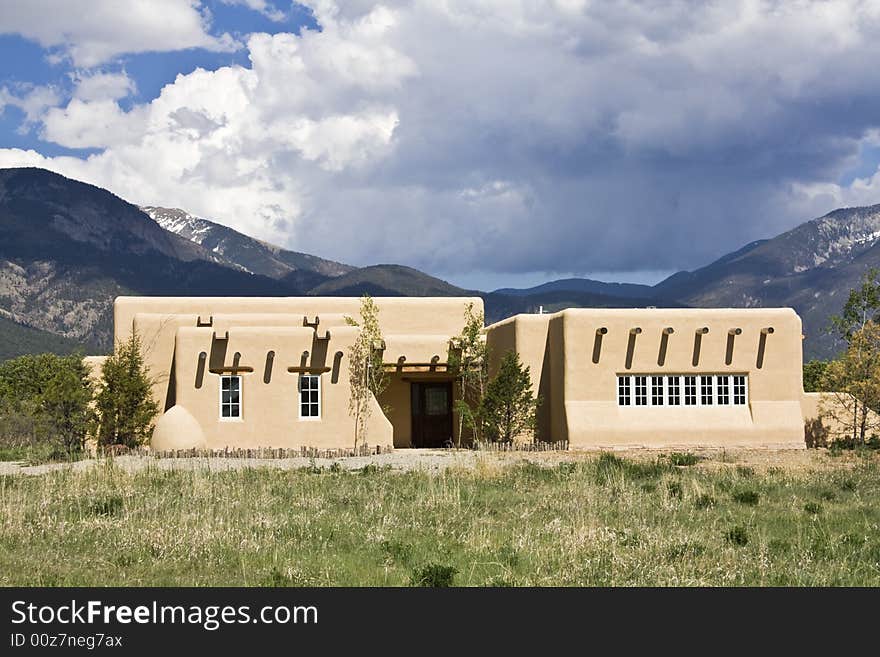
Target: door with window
[{"x": 431, "y": 414}]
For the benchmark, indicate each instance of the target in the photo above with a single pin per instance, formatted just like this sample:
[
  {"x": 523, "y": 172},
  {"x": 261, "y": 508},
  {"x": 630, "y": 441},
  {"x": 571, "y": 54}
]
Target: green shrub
[
  {"x": 397, "y": 551},
  {"x": 683, "y": 459},
  {"x": 737, "y": 535},
  {"x": 434, "y": 575},
  {"x": 109, "y": 505},
  {"x": 567, "y": 468},
  {"x": 276, "y": 578},
  {"x": 704, "y": 501},
  {"x": 847, "y": 484},
  {"x": 501, "y": 582},
  {"x": 674, "y": 490},
  {"x": 813, "y": 508},
  {"x": 747, "y": 496},
  {"x": 684, "y": 549},
  {"x": 608, "y": 466}
]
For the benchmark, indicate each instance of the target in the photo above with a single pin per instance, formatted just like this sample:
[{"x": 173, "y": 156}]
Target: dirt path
[{"x": 437, "y": 460}]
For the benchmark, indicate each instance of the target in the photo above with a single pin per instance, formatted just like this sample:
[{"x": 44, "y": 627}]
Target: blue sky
[
  {"x": 24, "y": 62},
  {"x": 489, "y": 142}
]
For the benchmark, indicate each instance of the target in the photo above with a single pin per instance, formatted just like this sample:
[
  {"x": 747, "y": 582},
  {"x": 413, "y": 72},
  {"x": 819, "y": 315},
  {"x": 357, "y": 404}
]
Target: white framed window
[
  {"x": 657, "y": 391},
  {"x": 309, "y": 396},
  {"x": 682, "y": 390},
  {"x": 673, "y": 389},
  {"x": 641, "y": 385},
  {"x": 230, "y": 397},
  {"x": 722, "y": 388},
  {"x": 706, "y": 396},
  {"x": 624, "y": 396},
  {"x": 740, "y": 391},
  {"x": 690, "y": 390}
]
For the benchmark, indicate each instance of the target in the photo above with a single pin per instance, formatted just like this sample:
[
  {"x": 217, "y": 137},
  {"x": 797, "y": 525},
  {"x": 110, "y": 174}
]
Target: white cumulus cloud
[
  {"x": 504, "y": 135},
  {"x": 91, "y": 33}
]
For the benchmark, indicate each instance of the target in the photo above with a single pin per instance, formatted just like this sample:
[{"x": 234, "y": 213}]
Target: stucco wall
[
  {"x": 173, "y": 340},
  {"x": 585, "y": 373}
]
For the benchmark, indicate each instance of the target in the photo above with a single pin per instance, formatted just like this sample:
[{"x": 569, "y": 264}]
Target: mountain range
[{"x": 68, "y": 248}]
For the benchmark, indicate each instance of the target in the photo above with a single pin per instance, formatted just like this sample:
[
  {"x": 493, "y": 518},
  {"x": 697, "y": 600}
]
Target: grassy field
[{"x": 590, "y": 519}]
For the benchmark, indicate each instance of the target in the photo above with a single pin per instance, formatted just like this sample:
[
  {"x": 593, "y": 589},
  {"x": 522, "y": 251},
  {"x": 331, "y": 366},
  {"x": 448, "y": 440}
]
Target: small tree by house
[
  {"x": 124, "y": 403},
  {"x": 469, "y": 363},
  {"x": 367, "y": 378},
  {"x": 509, "y": 407},
  {"x": 855, "y": 381}
]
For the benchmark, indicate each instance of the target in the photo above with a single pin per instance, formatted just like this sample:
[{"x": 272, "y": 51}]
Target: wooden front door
[{"x": 432, "y": 414}]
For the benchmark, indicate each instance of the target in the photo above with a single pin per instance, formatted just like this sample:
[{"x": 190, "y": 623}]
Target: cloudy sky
[{"x": 486, "y": 141}]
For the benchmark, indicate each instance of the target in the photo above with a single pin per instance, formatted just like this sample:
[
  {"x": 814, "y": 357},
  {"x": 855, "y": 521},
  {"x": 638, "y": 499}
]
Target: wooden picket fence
[
  {"x": 256, "y": 453},
  {"x": 558, "y": 446},
  {"x": 316, "y": 452}
]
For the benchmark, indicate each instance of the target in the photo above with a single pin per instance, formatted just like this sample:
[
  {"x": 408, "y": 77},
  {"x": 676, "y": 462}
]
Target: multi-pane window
[
  {"x": 641, "y": 386},
  {"x": 690, "y": 390},
  {"x": 682, "y": 389},
  {"x": 706, "y": 390},
  {"x": 623, "y": 391},
  {"x": 722, "y": 388},
  {"x": 739, "y": 389},
  {"x": 309, "y": 396},
  {"x": 673, "y": 388},
  {"x": 230, "y": 397},
  {"x": 657, "y": 391}
]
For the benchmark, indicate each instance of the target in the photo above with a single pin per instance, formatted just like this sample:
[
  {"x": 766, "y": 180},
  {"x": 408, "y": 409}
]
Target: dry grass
[{"x": 752, "y": 518}]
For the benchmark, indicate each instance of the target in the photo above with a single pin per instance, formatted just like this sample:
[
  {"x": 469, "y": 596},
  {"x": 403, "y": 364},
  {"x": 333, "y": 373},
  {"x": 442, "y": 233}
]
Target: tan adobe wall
[
  {"x": 823, "y": 425},
  {"x": 402, "y": 315},
  {"x": 175, "y": 331},
  {"x": 584, "y": 363},
  {"x": 529, "y": 335}
]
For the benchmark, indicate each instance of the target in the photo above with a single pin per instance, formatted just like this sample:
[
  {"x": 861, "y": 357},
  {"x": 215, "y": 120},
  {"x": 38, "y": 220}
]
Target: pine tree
[
  {"x": 124, "y": 403},
  {"x": 509, "y": 408},
  {"x": 67, "y": 404},
  {"x": 46, "y": 399}
]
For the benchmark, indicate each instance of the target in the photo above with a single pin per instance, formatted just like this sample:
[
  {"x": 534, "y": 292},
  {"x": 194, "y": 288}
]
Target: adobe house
[
  {"x": 273, "y": 372},
  {"x": 660, "y": 377}
]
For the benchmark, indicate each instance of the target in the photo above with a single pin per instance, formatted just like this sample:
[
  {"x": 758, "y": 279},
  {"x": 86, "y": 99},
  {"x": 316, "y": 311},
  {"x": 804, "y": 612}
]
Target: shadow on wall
[{"x": 815, "y": 433}]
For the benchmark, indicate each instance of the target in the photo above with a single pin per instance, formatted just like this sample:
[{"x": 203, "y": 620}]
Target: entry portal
[{"x": 432, "y": 414}]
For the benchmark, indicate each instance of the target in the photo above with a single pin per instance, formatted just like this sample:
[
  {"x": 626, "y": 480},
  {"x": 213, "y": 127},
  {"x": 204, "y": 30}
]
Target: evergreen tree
[
  {"x": 46, "y": 399},
  {"x": 124, "y": 403},
  {"x": 509, "y": 408},
  {"x": 67, "y": 404}
]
